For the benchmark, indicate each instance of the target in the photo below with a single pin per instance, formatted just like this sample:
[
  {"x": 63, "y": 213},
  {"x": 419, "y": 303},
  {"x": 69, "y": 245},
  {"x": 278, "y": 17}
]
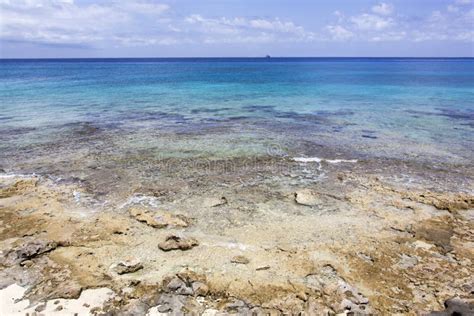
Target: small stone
[
  {"x": 240, "y": 260},
  {"x": 27, "y": 263},
  {"x": 307, "y": 197},
  {"x": 59, "y": 308},
  {"x": 174, "y": 242},
  {"x": 263, "y": 268},
  {"x": 127, "y": 266},
  {"x": 40, "y": 308}
]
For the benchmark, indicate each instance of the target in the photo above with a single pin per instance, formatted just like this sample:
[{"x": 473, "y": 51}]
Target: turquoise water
[{"x": 369, "y": 104}]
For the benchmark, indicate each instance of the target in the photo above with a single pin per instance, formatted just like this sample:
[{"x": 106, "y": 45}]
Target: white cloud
[
  {"x": 147, "y": 22},
  {"x": 452, "y": 8},
  {"x": 242, "y": 29},
  {"x": 371, "y": 22},
  {"x": 455, "y": 23},
  {"x": 383, "y": 8},
  {"x": 338, "y": 32},
  {"x": 463, "y": 2},
  {"x": 65, "y": 22}
]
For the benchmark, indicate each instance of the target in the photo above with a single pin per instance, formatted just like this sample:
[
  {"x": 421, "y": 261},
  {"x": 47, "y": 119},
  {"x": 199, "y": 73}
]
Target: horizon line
[{"x": 246, "y": 57}]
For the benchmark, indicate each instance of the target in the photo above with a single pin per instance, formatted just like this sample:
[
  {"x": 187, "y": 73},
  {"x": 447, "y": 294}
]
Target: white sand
[{"x": 11, "y": 302}]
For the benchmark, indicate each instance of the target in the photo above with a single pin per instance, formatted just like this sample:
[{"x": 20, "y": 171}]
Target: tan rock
[
  {"x": 158, "y": 219},
  {"x": 174, "y": 242},
  {"x": 127, "y": 266},
  {"x": 214, "y": 201},
  {"x": 240, "y": 260},
  {"x": 307, "y": 197}
]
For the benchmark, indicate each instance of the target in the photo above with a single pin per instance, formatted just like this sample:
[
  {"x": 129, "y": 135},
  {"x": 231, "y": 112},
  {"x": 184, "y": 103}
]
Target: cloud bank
[{"x": 148, "y": 23}]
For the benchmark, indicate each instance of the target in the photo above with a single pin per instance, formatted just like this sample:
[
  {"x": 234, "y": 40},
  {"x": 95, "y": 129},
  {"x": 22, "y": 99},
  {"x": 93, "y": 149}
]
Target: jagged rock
[
  {"x": 443, "y": 201},
  {"x": 237, "y": 306},
  {"x": 307, "y": 197},
  {"x": 127, "y": 266},
  {"x": 169, "y": 303},
  {"x": 19, "y": 187},
  {"x": 158, "y": 219},
  {"x": 186, "y": 282},
  {"x": 344, "y": 296},
  {"x": 240, "y": 260},
  {"x": 27, "y": 250},
  {"x": 174, "y": 242},
  {"x": 456, "y": 306}
]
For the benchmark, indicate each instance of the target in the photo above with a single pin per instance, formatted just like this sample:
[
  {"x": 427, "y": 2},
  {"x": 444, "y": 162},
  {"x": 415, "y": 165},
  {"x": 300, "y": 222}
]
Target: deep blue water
[{"x": 373, "y": 100}]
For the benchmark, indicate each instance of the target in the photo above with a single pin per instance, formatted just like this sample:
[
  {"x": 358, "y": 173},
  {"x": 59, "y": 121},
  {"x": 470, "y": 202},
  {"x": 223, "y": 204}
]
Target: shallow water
[{"x": 403, "y": 108}]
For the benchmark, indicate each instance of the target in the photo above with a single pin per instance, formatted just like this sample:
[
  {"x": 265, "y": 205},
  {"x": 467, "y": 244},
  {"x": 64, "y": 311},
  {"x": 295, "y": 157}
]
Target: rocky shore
[{"x": 287, "y": 236}]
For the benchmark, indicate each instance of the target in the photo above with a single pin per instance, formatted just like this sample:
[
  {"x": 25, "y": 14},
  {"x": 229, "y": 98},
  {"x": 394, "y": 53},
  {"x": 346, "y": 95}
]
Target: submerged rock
[
  {"x": 127, "y": 266},
  {"x": 174, "y": 242}
]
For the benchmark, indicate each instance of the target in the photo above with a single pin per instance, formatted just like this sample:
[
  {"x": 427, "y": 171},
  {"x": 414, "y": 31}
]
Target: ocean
[{"x": 404, "y": 108}]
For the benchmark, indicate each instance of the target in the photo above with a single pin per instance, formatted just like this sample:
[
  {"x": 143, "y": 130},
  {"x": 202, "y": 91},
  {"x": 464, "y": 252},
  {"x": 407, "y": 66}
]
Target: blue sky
[{"x": 185, "y": 28}]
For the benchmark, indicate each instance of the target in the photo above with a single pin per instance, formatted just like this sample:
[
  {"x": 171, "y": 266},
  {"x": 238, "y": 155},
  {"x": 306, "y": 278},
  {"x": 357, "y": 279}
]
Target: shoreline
[{"x": 363, "y": 238}]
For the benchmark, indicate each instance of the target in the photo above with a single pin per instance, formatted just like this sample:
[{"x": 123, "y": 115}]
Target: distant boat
[{"x": 268, "y": 56}]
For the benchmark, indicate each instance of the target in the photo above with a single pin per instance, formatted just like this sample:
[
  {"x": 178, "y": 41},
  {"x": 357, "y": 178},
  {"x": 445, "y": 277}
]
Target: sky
[{"x": 234, "y": 28}]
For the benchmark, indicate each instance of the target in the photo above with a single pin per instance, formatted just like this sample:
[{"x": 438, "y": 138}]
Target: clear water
[{"x": 406, "y": 107}]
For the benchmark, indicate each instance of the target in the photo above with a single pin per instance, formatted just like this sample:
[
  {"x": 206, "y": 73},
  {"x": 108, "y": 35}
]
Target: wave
[{"x": 319, "y": 160}]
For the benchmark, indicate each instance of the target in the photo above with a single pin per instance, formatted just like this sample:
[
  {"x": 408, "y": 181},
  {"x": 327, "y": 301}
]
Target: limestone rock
[
  {"x": 186, "y": 282},
  {"x": 158, "y": 219},
  {"x": 174, "y": 242},
  {"x": 240, "y": 260},
  {"x": 214, "y": 201},
  {"x": 307, "y": 197},
  {"x": 456, "y": 306},
  {"x": 27, "y": 250},
  {"x": 127, "y": 266},
  {"x": 19, "y": 187}
]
